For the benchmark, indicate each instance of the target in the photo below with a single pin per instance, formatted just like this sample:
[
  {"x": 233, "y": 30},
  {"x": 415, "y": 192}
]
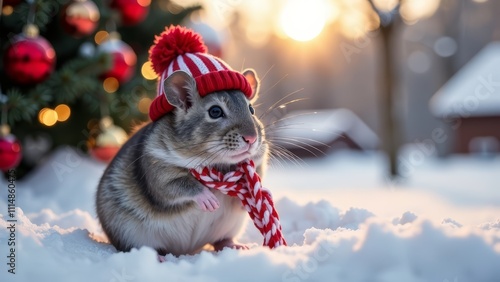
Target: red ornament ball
[
  {"x": 123, "y": 57},
  {"x": 108, "y": 142},
  {"x": 10, "y": 152},
  {"x": 30, "y": 59},
  {"x": 80, "y": 17},
  {"x": 104, "y": 154},
  {"x": 132, "y": 11}
]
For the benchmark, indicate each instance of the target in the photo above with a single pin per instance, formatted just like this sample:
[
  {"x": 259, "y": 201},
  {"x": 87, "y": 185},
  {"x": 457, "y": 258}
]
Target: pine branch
[
  {"x": 123, "y": 105},
  {"x": 78, "y": 78},
  {"x": 44, "y": 11},
  {"x": 20, "y": 107}
]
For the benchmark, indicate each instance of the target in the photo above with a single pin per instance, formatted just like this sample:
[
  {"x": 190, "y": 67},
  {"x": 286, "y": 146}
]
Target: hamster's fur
[{"x": 147, "y": 197}]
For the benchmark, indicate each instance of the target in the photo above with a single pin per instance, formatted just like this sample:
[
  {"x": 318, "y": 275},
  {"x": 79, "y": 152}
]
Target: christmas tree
[{"x": 76, "y": 72}]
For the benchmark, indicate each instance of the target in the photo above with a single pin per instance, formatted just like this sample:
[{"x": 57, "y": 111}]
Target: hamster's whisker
[
  {"x": 279, "y": 152},
  {"x": 276, "y": 104},
  {"x": 243, "y": 65},
  {"x": 284, "y": 155},
  {"x": 266, "y": 73},
  {"x": 190, "y": 146},
  {"x": 138, "y": 144},
  {"x": 283, "y": 105},
  {"x": 301, "y": 140},
  {"x": 195, "y": 144},
  {"x": 277, "y": 127},
  {"x": 138, "y": 158},
  {"x": 287, "y": 118},
  {"x": 216, "y": 154},
  {"x": 302, "y": 145},
  {"x": 274, "y": 85},
  {"x": 275, "y": 159},
  {"x": 212, "y": 156}
]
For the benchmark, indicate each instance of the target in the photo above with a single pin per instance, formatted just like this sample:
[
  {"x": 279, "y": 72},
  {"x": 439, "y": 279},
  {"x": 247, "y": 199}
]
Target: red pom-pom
[{"x": 172, "y": 42}]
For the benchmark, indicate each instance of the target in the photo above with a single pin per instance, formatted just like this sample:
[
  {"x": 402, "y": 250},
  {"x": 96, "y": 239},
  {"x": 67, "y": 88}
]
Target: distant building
[
  {"x": 470, "y": 102},
  {"x": 313, "y": 133}
]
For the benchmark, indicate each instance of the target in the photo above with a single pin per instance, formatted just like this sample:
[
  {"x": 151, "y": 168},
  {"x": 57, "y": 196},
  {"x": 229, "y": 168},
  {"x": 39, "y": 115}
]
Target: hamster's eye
[
  {"x": 215, "y": 112},
  {"x": 252, "y": 110}
]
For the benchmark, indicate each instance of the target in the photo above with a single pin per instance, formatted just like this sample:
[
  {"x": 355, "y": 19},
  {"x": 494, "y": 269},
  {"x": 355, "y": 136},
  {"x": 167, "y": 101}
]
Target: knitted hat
[{"x": 179, "y": 48}]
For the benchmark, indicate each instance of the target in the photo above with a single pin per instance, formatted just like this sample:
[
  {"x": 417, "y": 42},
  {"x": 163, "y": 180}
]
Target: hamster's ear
[
  {"x": 252, "y": 78},
  {"x": 180, "y": 90}
]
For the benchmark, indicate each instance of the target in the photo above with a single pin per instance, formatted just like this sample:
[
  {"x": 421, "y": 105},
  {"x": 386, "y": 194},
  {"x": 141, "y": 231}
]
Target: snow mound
[
  {"x": 325, "y": 244},
  {"x": 342, "y": 220}
]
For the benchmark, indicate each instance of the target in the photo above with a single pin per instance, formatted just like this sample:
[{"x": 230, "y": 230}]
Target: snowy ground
[{"x": 342, "y": 219}]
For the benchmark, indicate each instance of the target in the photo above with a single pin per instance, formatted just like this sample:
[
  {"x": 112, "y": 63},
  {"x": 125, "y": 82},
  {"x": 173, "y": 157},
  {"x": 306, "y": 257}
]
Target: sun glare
[{"x": 303, "y": 20}]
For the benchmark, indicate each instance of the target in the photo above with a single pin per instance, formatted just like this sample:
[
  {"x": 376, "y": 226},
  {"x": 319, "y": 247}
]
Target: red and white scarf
[{"x": 245, "y": 184}]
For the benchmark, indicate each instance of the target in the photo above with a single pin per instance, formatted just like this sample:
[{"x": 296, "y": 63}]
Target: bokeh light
[
  {"x": 144, "y": 3},
  {"x": 47, "y": 117},
  {"x": 7, "y": 10},
  {"x": 147, "y": 71},
  {"x": 144, "y": 104},
  {"x": 303, "y": 20},
  {"x": 63, "y": 112},
  {"x": 16, "y": 147},
  {"x": 414, "y": 10},
  {"x": 445, "y": 46},
  {"x": 101, "y": 36},
  {"x": 110, "y": 84}
]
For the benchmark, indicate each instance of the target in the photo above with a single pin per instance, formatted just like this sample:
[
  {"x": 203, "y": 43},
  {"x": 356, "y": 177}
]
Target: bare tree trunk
[
  {"x": 388, "y": 120},
  {"x": 390, "y": 129}
]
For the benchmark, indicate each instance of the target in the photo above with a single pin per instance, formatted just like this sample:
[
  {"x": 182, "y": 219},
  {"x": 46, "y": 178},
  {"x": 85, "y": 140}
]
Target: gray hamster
[{"x": 147, "y": 197}]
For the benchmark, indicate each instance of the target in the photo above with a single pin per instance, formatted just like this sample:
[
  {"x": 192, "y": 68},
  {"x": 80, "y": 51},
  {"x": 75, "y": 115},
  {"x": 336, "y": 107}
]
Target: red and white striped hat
[{"x": 179, "y": 48}]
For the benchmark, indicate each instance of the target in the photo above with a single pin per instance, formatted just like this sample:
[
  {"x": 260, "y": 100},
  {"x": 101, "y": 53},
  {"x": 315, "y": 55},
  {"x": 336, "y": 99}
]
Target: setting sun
[{"x": 303, "y": 20}]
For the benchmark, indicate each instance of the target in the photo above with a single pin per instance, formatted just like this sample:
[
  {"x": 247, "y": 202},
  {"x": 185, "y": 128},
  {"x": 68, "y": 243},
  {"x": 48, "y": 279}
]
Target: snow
[
  {"x": 344, "y": 221},
  {"x": 474, "y": 90}
]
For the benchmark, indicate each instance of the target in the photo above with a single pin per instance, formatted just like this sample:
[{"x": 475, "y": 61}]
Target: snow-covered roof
[
  {"x": 474, "y": 90},
  {"x": 324, "y": 126}
]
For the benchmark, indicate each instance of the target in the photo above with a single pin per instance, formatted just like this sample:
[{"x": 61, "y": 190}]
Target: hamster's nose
[{"x": 250, "y": 139}]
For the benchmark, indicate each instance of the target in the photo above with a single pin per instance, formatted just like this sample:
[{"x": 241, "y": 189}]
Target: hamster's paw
[
  {"x": 207, "y": 201},
  {"x": 161, "y": 258},
  {"x": 228, "y": 243}
]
